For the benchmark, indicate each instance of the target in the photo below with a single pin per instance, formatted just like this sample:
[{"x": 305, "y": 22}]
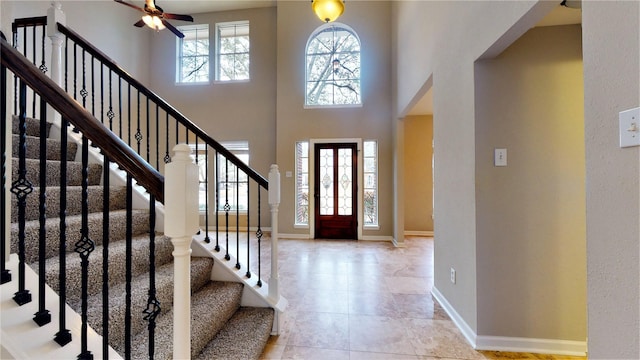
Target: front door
[{"x": 335, "y": 191}]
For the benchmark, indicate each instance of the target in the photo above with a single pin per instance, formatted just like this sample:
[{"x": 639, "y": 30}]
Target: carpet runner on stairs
[{"x": 220, "y": 327}]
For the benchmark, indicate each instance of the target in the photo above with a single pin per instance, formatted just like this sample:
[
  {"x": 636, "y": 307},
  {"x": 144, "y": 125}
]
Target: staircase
[{"x": 220, "y": 327}]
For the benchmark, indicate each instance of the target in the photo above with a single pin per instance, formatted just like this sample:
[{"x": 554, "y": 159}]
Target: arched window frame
[{"x": 355, "y": 81}]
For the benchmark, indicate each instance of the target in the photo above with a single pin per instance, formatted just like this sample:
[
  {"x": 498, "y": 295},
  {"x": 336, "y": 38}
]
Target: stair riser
[
  {"x": 53, "y": 148},
  {"x": 117, "y": 230},
  {"x": 74, "y": 172},
  {"x": 117, "y": 197}
]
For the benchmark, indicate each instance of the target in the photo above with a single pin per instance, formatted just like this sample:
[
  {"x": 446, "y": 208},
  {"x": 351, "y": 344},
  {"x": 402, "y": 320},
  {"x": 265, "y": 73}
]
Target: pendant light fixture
[{"x": 328, "y": 10}]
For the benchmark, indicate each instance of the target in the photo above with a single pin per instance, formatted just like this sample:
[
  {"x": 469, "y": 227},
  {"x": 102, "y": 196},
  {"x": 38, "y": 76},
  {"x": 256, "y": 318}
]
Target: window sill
[
  {"x": 216, "y": 82},
  {"x": 346, "y": 106},
  {"x": 371, "y": 227},
  {"x": 200, "y": 83},
  {"x": 300, "y": 226}
]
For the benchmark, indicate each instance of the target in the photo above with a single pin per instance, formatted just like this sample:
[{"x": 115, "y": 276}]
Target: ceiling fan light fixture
[
  {"x": 153, "y": 22},
  {"x": 328, "y": 10}
]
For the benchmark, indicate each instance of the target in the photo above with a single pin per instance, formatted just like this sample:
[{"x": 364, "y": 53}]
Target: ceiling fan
[{"x": 155, "y": 17}]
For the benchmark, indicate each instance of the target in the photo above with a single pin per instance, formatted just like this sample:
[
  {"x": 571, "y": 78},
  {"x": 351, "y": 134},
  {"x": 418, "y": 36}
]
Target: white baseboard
[
  {"x": 425, "y": 233},
  {"x": 511, "y": 344},
  {"x": 530, "y": 345},
  {"x": 466, "y": 330}
]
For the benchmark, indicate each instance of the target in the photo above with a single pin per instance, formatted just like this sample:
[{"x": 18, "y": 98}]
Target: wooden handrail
[
  {"x": 99, "y": 55},
  {"x": 110, "y": 144}
]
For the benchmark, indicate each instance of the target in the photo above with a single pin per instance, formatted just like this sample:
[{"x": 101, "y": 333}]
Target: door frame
[{"x": 359, "y": 179}]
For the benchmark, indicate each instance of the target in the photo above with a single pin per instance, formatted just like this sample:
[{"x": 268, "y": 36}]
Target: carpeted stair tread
[
  {"x": 32, "y": 126},
  {"x": 117, "y": 201},
  {"x": 74, "y": 172},
  {"x": 200, "y": 276},
  {"x": 211, "y": 308},
  {"x": 244, "y": 336},
  {"x": 53, "y": 148},
  {"x": 117, "y": 262},
  {"x": 117, "y": 230}
]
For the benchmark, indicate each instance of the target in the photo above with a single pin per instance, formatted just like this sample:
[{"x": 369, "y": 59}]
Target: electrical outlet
[{"x": 453, "y": 275}]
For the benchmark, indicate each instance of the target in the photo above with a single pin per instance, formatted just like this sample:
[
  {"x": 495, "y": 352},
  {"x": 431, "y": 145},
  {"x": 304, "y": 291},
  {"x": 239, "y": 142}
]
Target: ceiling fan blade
[
  {"x": 129, "y": 5},
  {"x": 140, "y": 23},
  {"x": 172, "y": 28},
  {"x": 178, "y": 17}
]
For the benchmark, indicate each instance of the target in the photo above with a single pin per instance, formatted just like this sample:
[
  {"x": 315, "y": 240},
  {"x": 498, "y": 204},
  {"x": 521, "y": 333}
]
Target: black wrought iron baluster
[
  {"x": 5, "y": 273},
  {"x": 138, "y": 135},
  {"x": 93, "y": 86},
  {"x": 43, "y": 64},
  {"x": 206, "y": 194},
  {"x": 15, "y": 78},
  {"x": 84, "y": 247},
  {"x": 128, "y": 116},
  {"x": 167, "y": 157},
  {"x": 43, "y": 316},
  {"x": 34, "y": 47},
  {"x": 128, "y": 267},
  {"x": 66, "y": 64},
  {"x": 110, "y": 113},
  {"x": 120, "y": 134},
  {"x": 217, "y": 202},
  {"x": 153, "y": 304},
  {"x": 21, "y": 188},
  {"x": 83, "y": 92},
  {"x": 259, "y": 236},
  {"x": 248, "y": 274},
  {"x": 148, "y": 122},
  {"x": 237, "y": 186},
  {"x": 106, "y": 205},
  {"x": 63, "y": 336},
  {"x": 157, "y": 137},
  {"x": 227, "y": 207}
]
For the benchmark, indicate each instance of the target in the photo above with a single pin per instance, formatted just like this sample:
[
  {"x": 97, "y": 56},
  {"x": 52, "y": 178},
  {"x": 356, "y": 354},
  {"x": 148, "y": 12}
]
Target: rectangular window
[
  {"x": 193, "y": 55},
  {"x": 232, "y": 45},
  {"x": 370, "y": 183},
  {"x": 233, "y": 183},
  {"x": 302, "y": 183}
]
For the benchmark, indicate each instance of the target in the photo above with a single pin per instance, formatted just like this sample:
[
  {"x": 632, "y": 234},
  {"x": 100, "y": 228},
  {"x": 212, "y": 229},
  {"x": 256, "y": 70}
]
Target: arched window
[{"x": 333, "y": 66}]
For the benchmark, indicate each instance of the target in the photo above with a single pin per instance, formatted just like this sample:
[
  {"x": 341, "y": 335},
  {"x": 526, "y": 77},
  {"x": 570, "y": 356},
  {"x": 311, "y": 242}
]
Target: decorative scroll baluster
[
  {"x": 21, "y": 188},
  {"x": 128, "y": 267},
  {"x": 43, "y": 316},
  {"x": 84, "y": 247},
  {"x": 217, "y": 203},
  {"x": 106, "y": 205},
  {"x": 110, "y": 113},
  {"x": 5, "y": 273},
  {"x": 43, "y": 65},
  {"x": 138, "y": 135},
  {"x": 167, "y": 157},
  {"x": 259, "y": 237},
  {"x": 153, "y": 304},
  {"x": 63, "y": 336}
]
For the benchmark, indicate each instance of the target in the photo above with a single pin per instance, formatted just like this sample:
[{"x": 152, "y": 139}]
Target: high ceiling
[{"x": 204, "y": 6}]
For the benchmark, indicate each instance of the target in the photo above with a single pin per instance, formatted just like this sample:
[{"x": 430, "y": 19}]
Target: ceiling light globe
[{"x": 328, "y": 10}]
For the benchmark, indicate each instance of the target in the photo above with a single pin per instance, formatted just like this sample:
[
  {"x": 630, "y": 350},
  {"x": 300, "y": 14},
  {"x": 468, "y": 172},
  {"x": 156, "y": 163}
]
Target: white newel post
[
  {"x": 274, "y": 202},
  {"x": 181, "y": 214},
  {"x": 55, "y": 15}
]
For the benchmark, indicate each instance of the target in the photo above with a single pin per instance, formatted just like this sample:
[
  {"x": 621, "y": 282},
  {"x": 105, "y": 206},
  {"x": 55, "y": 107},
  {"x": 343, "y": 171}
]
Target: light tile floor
[{"x": 366, "y": 300}]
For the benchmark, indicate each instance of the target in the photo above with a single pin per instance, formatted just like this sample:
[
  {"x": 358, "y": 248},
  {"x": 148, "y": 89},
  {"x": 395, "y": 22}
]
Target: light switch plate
[
  {"x": 629, "y": 127},
  {"x": 500, "y": 157}
]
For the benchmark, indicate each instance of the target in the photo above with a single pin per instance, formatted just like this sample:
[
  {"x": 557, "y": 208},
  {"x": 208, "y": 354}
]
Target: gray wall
[
  {"x": 531, "y": 239},
  {"x": 611, "y": 80},
  {"x": 371, "y": 22}
]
